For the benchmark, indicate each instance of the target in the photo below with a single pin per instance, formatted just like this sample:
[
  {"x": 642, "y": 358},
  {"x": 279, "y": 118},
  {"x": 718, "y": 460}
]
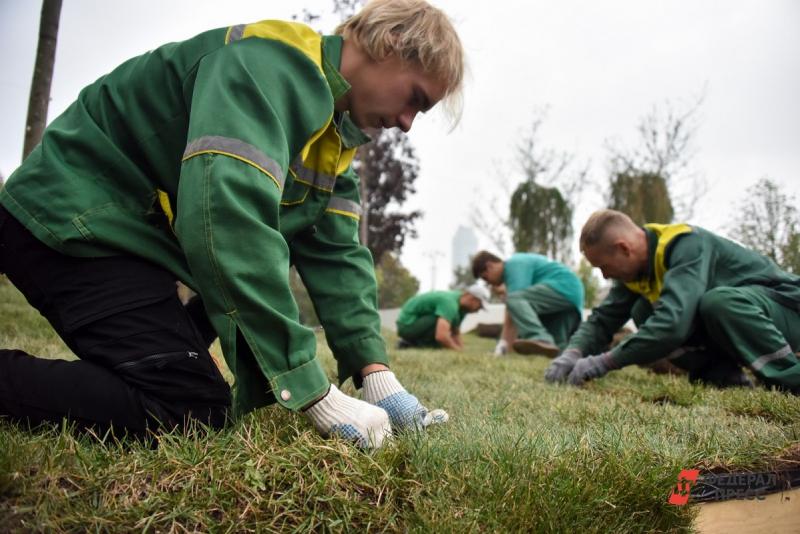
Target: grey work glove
[
  {"x": 559, "y": 368},
  {"x": 591, "y": 367}
]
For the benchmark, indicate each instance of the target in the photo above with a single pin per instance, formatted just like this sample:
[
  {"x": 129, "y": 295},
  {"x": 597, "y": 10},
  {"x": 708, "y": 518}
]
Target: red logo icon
[{"x": 680, "y": 493}]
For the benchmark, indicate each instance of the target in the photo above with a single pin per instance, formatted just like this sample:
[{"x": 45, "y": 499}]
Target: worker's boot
[
  {"x": 721, "y": 373},
  {"x": 536, "y": 346}
]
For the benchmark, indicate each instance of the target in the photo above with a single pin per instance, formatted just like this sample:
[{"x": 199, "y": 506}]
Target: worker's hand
[
  {"x": 500, "y": 291},
  {"x": 382, "y": 389},
  {"x": 590, "y": 368},
  {"x": 559, "y": 368},
  {"x": 337, "y": 414},
  {"x": 501, "y": 349}
]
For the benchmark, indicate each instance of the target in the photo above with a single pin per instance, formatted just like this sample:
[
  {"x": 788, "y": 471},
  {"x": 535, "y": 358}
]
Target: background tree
[
  {"x": 395, "y": 283},
  {"x": 347, "y": 8},
  {"x": 387, "y": 167},
  {"x": 652, "y": 182},
  {"x": 538, "y": 212},
  {"x": 768, "y": 221},
  {"x": 42, "y": 75},
  {"x": 540, "y": 220},
  {"x": 462, "y": 277},
  {"x": 542, "y": 205},
  {"x": 644, "y": 197},
  {"x": 490, "y": 217},
  {"x": 591, "y": 284}
]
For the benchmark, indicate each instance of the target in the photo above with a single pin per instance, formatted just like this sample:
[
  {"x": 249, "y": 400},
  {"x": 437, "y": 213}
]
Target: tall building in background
[{"x": 465, "y": 245}]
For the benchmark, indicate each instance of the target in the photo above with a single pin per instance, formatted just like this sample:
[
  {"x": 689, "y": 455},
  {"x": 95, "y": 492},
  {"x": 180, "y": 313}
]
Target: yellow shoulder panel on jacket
[
  {"x": 294, "y": 34},
  {"x": 651, "y": 289}
]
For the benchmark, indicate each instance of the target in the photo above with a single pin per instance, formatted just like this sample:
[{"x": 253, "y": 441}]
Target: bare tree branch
[{"x": 666, "y": 150}]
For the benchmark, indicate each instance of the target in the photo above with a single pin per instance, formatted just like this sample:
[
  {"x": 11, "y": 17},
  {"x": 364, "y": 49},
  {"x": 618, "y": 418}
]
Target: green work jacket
[
  {"x": 221, "y": 159},
  {"x": 442, "y": 304},
  {"x": 685, "y": 262}
]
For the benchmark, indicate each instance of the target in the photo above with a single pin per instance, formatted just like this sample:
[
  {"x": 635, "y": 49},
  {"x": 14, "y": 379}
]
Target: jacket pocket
[
  {"x": 185, "y": 377},
  {"x": 295, "y": 193}
]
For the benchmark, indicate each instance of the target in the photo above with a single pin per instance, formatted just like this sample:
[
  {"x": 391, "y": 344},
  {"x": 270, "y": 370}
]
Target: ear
[{"x": 623, "y": 247}]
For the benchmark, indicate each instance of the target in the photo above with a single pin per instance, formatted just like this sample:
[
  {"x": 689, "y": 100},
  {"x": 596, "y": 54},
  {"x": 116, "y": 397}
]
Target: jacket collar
[{"x": 352, "y": 136}]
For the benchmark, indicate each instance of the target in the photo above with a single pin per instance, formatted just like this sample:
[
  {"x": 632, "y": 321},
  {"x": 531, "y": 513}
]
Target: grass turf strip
[{"x": 517, "y": 454}]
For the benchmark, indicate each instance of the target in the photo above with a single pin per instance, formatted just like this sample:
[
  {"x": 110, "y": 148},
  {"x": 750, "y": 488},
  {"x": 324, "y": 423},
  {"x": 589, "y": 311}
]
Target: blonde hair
[
  {"x": 600, "y": 223},
  {"x": 416, "y": 32}
]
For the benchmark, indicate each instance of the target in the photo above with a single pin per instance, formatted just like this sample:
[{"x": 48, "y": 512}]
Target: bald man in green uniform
[{"x": 706, "y": 303}]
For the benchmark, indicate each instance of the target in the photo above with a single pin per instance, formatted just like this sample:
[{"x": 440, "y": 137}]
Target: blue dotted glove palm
[{"x": 405, "y": 411}]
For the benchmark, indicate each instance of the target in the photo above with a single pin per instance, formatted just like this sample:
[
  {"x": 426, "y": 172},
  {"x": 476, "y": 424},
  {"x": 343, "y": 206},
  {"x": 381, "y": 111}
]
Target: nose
[{"x": 405, "y": 119}]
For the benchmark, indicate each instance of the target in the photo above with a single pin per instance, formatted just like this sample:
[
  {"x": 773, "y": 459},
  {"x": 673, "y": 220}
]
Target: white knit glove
[
  {"x": 405, "y": 411},
  {"x": 337, "y": 414},
  {"x": 501, "y": 349}
]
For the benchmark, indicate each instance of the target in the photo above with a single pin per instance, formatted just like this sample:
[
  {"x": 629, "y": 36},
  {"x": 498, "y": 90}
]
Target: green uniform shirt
[
  {"x": 523, "y": 270},
  {"x": 442, "y": 304},
  {"x": 218, "y": 158},
  {"x": 695, "y": 262}
]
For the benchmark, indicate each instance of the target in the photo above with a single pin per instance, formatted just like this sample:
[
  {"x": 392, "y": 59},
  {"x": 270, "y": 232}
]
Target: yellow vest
[{"x": 651, "y": 289}]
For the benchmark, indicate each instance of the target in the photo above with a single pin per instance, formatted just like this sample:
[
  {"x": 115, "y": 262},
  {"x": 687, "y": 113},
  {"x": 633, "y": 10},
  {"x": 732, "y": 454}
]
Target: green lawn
[{"x": 517, "y": 455}]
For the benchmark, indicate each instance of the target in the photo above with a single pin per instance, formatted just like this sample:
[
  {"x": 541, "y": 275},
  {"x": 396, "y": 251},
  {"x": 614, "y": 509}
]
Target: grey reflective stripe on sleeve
[
  {"x": 762, "y": 361},
  {"x": 235, "y": 33},
  {"x": 344, "y": 206},
  {"x": 320, "y": 180},
  {"x": 237, "y": 149}
]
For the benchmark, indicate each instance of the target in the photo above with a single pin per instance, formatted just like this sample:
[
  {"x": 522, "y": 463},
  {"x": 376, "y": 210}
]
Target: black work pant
[{"x": 144, "y": 364}]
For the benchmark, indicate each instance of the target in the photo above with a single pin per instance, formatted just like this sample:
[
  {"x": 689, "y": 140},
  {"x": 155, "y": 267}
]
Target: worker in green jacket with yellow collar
[
  {"x": 706, "y": 303},
  {"x": 218, "y": 161}
]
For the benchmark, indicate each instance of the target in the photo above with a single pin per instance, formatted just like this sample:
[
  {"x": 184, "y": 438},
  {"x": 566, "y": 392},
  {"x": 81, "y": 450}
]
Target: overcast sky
[{"x": 596, "y": 66}]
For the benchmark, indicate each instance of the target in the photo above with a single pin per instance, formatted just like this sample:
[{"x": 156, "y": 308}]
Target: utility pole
[{"x": 433, "y": 255}]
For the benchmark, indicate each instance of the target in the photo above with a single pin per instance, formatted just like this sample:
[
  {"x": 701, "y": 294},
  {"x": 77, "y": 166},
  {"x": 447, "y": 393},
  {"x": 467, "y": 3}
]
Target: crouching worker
[
  {"x": 433, "y": 319},
  {"x": 217, "y": 161},
  {"x": 544, "y": 301},
  {"x": 706, "y": 303}
]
